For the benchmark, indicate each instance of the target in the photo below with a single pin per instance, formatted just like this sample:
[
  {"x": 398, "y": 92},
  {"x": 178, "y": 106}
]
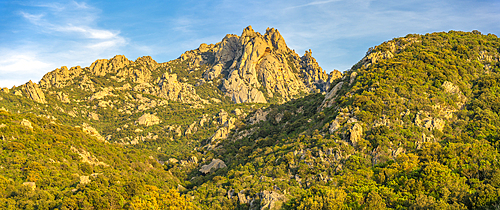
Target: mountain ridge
[{"x": 413, "y": 125}]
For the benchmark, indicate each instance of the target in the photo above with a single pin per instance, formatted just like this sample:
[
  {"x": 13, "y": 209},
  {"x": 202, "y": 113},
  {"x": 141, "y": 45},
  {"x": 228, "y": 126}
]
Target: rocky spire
[{"x": 33, "y": 91}]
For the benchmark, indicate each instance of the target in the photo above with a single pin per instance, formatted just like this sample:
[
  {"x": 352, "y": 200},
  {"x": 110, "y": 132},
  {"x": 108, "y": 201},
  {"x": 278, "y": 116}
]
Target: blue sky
[{"x": 39, "y": 36}]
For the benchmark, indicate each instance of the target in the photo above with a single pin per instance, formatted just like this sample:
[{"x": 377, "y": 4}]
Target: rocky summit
[{"x": 246, "y": 123}]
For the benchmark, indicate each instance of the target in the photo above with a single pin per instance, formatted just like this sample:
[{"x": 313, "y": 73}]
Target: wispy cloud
[
  {"x": 60, "y": 34},
  {"x": 312, "y": 4},
  {"x": 16, "y": 66}
]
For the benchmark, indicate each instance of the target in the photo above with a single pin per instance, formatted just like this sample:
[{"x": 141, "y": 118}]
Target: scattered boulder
[
  {"x": 213, "y": 166},
  {"x": 93, "y": 116},
  {"x": 191, "y": 128},
  {"x": 148, "y": 120},
  {"x": 172, "y": 161},
  {"x": 258, "y": 116},
  {"x": 31, "y": 185},
  {"x": 84, "y": 180},
  {"x": 193, "y": 159},
  {"x": 87, "y": 157},
  {"x": 26, "y": 123},
  {"x": 237, "y": 112}
]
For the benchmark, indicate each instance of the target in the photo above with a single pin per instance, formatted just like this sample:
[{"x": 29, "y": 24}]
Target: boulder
[
  {"x": 26, "y": 123},
  {"x": 148, "y": 120},
  {"x": 84, "y": 180},
  {"x": 213, "y": 166},
  {"x": 31, "y": 185}
]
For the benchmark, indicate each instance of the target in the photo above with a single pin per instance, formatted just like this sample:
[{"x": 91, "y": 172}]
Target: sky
[{"x": 37, "y": 37}]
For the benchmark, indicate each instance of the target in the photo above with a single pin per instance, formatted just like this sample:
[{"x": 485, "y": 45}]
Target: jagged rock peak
[
  {"x": 146, "y": 60},
  {"x": 103, "y": 66},
  {"x": 33, "y": 91},
  {"x": 60, "y": 77},
  {"x": 276, "y": 39}
]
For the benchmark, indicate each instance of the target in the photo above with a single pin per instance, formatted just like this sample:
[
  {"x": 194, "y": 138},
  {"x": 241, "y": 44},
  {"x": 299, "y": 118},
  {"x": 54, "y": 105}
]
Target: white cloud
[
  {"x": 312, "y": 4},
  {"x": 32, "y": 18},
  {"x": 17, "y": 67},
  {"x": 65, "y": 35}
]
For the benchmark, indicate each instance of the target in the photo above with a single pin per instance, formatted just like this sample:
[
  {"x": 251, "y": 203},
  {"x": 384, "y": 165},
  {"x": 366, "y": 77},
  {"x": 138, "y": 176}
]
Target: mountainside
[
  {"x": 248, "y": 124},
  {"x": 181, "y": 102}
]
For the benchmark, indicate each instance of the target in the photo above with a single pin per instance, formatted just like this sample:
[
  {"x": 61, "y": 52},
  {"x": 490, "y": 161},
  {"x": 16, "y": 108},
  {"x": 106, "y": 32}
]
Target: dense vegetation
[{"x": 46, "y": 165}]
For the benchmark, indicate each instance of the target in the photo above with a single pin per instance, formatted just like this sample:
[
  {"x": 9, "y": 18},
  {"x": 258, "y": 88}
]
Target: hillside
[
  {"x": 246, "y": 123},
  {"x": 175, "y": 105},
  {"x": 413, "y": 125}
]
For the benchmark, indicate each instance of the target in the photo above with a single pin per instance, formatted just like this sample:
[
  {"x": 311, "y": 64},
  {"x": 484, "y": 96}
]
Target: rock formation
[
  {"x": 103, "y": 66},
  {"x": 170, "y": 88},
  {"x": 213, "y": 166},
  {"x": 92, "y": 131},
  {"x": 148, "y": 120},
  {"x": 33, "y": 91},
  {"x": 27, "y": 123},
  {"x": 256, "y": 67},
  {"x": 60, "y": 78}
]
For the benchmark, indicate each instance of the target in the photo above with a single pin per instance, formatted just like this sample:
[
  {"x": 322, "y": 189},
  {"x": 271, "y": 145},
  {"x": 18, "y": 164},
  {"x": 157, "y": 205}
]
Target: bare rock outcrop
[
  {"x": 258, "y": 67},
  {"x": 33, "y": 92},
  {"x": 331, "y": 96},
  {"x": 224, "y": 131},
  {"x": 63, "y": 97},
  {"x": 191, "y": 128},
  {"x": 92, "y": 131},
  {"x": 213, "y": 166},
  {"x": 101, "y": 94},
  {"x": 86, "y": 157},
  {"x": 26, "y": 123},
  {"x": 170, "y": 88},
  {"x": 386, "y": 50},
  {"x": 268, "y": 200},
  {"x": 148, "y": 120},
  {"x": 103, "y": 66},
  {"x": 258, "y": 116},
  {"x": 60, "y": 78},
  {"x": 356, "y": 133}
]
